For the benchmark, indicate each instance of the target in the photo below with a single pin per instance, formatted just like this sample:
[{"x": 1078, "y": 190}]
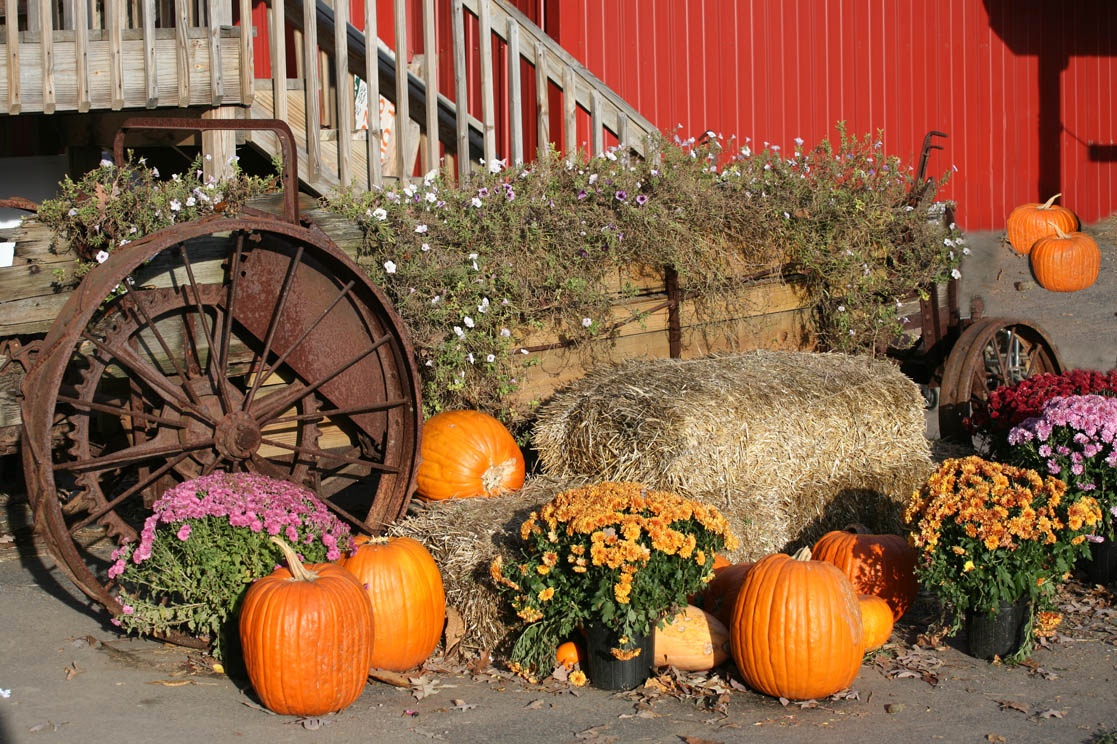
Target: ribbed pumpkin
[
  {"x": 306, "y": 632},
  {"x": 881, "y": 565},
  {"x": 1029, "y": 222},
  {"x": 692, "y": 640},
  {"x": 408, "y": 600},
  {"x": 570, "y": 653},
  {"x": 796, "y": 628},
  {"x": 1065, "y": 262},
  {"x": 876, "y": 620},
  {"x": 466, "y": 454},
  {"x": 720, "y": 595}
]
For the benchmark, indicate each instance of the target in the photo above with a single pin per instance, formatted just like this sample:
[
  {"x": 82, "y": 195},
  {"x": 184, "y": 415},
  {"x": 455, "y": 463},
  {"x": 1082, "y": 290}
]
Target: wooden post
[
  {"x": 596, "y": 127},
  {"x": 151, "y": 79},
  {"x": 515, "y": 95},
  {"x": 218, "y": 147},
  {"x": 461, "y": 90},
  {"x": 622, "y": 130},
  {"x": 46, "y": 53},
  {"x": 277, "y": 41},
  {"x": 312, "y": 89},
  {"x": 344, "y": 118},
  {"x": 488, "y": 105},
  {"x": 216, "y": 74},
  {"x": 182, "y": 41},
  {"x": 403, "y": 116},
  {"x": 81, "y": 53},
  {"x": 375, "y": 136},
  {"x": 247, "y": 63},
  {"x": 11, "y": 19},
  {"x": 569, "y": 109},
  {"x": 430, "y": 72},
  {"x": 116, "y": 59},
  {"x": 542, "y": 103}
]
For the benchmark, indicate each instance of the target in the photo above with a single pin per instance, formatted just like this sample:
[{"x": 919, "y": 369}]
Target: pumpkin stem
[
  {"x": 492, "y": 480},
  {"x": 1058, "y": 232},
  {"x": 803, "y": 554},
  {"x": 856, "y": 528},
  {"x": 1049, "y": 202},
  {"x": 298, "y": 571}
]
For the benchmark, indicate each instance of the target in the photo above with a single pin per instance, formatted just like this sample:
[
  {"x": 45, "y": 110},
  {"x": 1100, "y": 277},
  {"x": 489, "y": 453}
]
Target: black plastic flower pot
[
  {"x": 605, "y": 671},
  {"x": 1000, "y": 633},
  {"x": 1101, "y": 566}
]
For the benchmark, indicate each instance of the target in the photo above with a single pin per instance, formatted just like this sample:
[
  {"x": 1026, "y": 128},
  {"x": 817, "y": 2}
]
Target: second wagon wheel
[
  {"x": 243, "y": 343},
  {"x": 990, "y": 353}
]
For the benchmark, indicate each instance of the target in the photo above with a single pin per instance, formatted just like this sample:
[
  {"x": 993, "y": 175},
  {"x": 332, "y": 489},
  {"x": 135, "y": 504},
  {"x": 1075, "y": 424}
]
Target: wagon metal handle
[{"x": 290, "y": 175}]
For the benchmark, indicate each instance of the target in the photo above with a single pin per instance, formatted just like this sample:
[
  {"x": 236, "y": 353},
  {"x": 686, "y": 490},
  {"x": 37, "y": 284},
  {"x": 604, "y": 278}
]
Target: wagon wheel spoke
[
  {"x": 120, "y": 411},
  {"x": 136, "y": 305},
  {"x": 211, "y": 362},
  {"x": 134, "y": 489},
  {"x": 272, "y": 405},
  {"x": 1033, "y": 357},
  {"x": 130, "y": 456},
  {"x": 327, "y": 455},
  {"x": 273, "y": 324},
  {"x": 153, "y": 377},
  {"x": 321, "y": 316},
  {"x": 319, "y": 415},
  {"x": 230, "y": 304}
]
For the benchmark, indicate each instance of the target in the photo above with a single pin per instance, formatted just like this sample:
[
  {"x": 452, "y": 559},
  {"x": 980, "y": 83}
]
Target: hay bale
[
  {"x": 463, "y": 536},
  {"x": 786, "y": 444}
]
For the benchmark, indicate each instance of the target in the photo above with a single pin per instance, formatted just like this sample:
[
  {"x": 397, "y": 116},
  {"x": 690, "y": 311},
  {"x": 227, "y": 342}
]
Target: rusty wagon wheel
[
  {"x": 990, "y": 353},
  {"x": 247, "y": 343}
]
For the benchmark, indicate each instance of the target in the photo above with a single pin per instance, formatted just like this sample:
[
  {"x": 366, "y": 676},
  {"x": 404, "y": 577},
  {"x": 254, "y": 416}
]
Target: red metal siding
[{"x": 1022, "y": 88}]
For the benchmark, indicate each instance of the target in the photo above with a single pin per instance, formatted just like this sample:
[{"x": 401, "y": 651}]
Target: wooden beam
[
  {"x": 403, "y": 117},
  {"x": 219, "y": 147},
  {"x": 247, "y": 61},
  {"x": 569, "y": 109},
  {"x": 216, "y": 74},
  {"x": 151, "y": 76},
  {"x": 596, "y": 126},
  {"x": 461, "y": 89},
  {"x": 430, "y": 75},
  {"x": 277, "y": 42},
  {"x": 374, "y": 138},
  {"x": 542, "y": 100},
  {"x": 81, "y": 54},
  {"x": 344, "y": 117},
  {"x": 515, "y": 97},
  {"x": 313, "y": 90},
  {"x": 488, "y": 105},
  {"x": 46, "y": 54},
  {"x": 11, "y": 20},
  {"x": 116, "y": 44}
]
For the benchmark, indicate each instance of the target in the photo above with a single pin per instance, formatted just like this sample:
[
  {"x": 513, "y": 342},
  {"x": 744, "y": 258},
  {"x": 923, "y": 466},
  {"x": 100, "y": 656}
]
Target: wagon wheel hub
[{"x": 237, "y": 435}]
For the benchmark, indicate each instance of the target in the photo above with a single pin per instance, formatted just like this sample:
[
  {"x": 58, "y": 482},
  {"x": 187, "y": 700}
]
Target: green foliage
[{"x": 477, "y": 269}]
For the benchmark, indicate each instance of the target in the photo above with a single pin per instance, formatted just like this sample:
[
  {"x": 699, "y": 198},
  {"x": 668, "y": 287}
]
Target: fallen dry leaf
[
  {"x": 1011, "y": 705},
  {"x": 1052, "y": 713},
  {"x": 73, "y": 670},
  {"x": 481, "y": 663},
  {"x": 535, "y": 704},
  {"x": 591, "y": 733},
  {"x": 994, "y": 738},
  {"x": 462, "y": 705},
  {"x": 392, "y": 678},
  {"x": 170, "y": 682},
  {"x": 699, "y": 740},
  {"x": 455, "y": 629},
  {"x": 255, "y": 706}
]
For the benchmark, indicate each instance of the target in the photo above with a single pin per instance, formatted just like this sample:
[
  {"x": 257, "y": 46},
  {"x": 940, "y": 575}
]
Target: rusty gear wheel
[{"x": 245, "y": 343}]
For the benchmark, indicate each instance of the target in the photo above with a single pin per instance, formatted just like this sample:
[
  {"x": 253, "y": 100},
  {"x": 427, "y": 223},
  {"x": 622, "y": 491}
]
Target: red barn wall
[{"x": 1022, "y": 87}]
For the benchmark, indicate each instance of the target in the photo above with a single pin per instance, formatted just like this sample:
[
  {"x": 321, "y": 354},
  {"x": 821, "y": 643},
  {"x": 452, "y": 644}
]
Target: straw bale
[
  {"x": 463, "y": 536},
  {"x": 786, "y": 444}
]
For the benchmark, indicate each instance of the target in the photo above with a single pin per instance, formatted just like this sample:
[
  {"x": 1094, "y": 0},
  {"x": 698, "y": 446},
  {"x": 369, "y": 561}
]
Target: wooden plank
[
  {"x": 515, "y": 96},
  {"x": 151, "y": 75},
  {"x": 216, "y": 76},
  {"x": 374, "y": 139},
  {"x": 569, "y": 109},
  {"x": 542, "y": 100},
  {"x": 461, "y": 91},
  {"x": 219, "y": 147},
  {"x": 46, "y": 55},
  {"x": 596, "y": 127},
  {"x": 488, "y": 115},
  {"x": 116, "y": 43},
  {"x": 81, "y": 53},
  {"x": 182, "y": 38},
  {"x": 622, "y": 132},
  {"x": 430, "y": 75},
  {"x": 11, "y": 21},
  {"x": 403, "y": 117},
  {"x": 344, "y": 119},
  {"x": 247, "y": 61},
  {"x": 278, "y": 49},
  {"x": 313, "y": 90}
]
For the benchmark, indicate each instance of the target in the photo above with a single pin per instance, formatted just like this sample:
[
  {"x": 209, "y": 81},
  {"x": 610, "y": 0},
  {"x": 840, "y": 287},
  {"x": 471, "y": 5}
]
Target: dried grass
[{"x": 787, "y": 444}]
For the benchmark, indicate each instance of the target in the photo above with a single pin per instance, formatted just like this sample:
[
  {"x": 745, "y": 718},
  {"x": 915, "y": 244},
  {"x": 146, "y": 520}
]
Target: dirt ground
[{"x": 67, "y": 676}]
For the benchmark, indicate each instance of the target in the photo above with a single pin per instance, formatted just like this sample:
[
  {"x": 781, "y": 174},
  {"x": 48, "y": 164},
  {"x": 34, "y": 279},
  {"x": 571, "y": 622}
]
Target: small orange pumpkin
[
  {"x": 1065, "y": 262},
  {"x": 408, "y": 600},
  {"x": 876, "y": 620},
  {"x": 796, "y": 628},
  {"x": 306, "y": 633},
  {"x": 466, "y": 454},
  {"x": 882, "y": 565},
  {"x": 1029, "y": 222},
  {"x": 692, "y": 640},
  {"x": 569, "y": 654},
  {"x": 720, "y": 595}
]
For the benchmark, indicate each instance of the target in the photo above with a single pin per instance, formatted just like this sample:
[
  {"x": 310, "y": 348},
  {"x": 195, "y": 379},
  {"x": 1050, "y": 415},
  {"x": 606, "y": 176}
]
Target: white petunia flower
[
  {"x": 175, "y": 205},
  {"x": 469, "y": 357},
  {"x": 490, "y": 358},
  {"x": 956, "y": 274},
  {"x": 191, "y": 201},
  {"x": 587, "y": 322},
  {"x": 380, "y": 214},
  {"x": 468, "y": 321},
  {"x": 420, "y": 228},
  {"x": 476, "y": 201},
  {"x": 431, "y": 197},
  {"x": 459, "y": 332},
  {"x": 390, "y": 267},
  {"x": 106, "y": 163},
  {"x": 425, "y": 247},
  {"x": 505, "y": 332},
  {"x": 410, "y": 189},
  {"x": 841, "y": 308},
  {"x": 484, "y": 306},
  {"x": 101, "y": 257}
]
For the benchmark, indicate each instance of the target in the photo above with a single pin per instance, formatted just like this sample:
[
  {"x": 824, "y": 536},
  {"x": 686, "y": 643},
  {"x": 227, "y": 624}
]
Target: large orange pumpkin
[
  {"x": 881, "y": 565},
  {"x": 306, "y": 632},
  {"x": 465, "y": 454},
  {"x": 876, "y": 620},
  {"x": 796, "y": 628},
  {"x": 720, "y": 596},
  {"x": 1029, "y": 222},
  {"x": 1065, "y": 262},
  {"x": 408, "y": 599},
  {"x": 570, "y": 653},
  {"x": 692, "y": 640}
]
